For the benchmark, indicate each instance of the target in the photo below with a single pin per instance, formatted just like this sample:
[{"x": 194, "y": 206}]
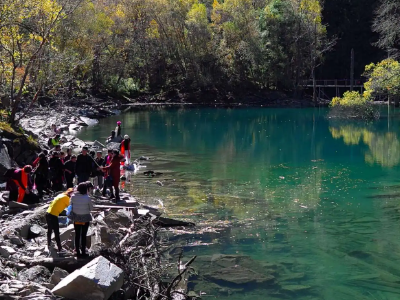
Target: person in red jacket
[
  {"x": 125, "y": 148},
  {"x": 114, "y": 172},
  {"x": 20, "y": 186}
]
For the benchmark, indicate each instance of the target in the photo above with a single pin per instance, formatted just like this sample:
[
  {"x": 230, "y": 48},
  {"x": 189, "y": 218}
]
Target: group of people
[{"x": 55, "y": 171}]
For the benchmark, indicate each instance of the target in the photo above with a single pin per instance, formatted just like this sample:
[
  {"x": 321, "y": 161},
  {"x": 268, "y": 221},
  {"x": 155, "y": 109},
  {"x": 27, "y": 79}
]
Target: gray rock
[
  {"x": 239, "y": 275},
  {"x": 58, "y": 275},
  {"x": 14, "y": 204},
  {"x": 102, "y": 235},
  {"x": 20, "y": 266},
  {"x": 120, "y": 218},
  {"x": 24, "y": 231},
  {"x": 74, "y": 127},
  {"x": 35, "y": 230},
  {"x": 67, "y": 233},
  {"x": 38, "y": 274},
  {"x": 79, "y": 143},
  {"x": 5, "y": 160},
  {"x": 70, "y": 137},
  {"x": 16, "y": 240},
  {"x": 95, "y": 281},
  {"x": 67, "y": 145},
  {"x": 97, "y": 144},
  {"x": 113, "y": 145},
  {"x": 6, "y": 251}
]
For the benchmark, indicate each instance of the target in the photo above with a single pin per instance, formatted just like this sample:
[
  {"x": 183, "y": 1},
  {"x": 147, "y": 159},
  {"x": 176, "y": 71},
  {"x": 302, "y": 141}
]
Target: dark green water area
[{"x": 289, "y": 204}]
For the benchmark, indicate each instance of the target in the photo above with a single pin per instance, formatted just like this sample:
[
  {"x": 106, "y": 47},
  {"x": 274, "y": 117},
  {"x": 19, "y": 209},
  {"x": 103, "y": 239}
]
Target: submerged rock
[
  {"x": 292, "y": 277},
  {"x": 239, "y": 275},
  {"x": 293, "y": 288},
  {"x": 365, "y": 220}
]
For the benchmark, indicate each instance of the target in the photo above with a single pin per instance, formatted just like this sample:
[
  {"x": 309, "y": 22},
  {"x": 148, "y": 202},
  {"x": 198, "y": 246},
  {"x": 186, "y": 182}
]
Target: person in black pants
[
  {"x": 81, "y": 208},
  {"x": 84, "y": 166},
  {"x": 98, "y": 172},
  {"x": 56, "y": 172},
  {"x": 70, "y": 171},
  {"x": 41, "y": 174},
  {"x": 56, "y": 207}
]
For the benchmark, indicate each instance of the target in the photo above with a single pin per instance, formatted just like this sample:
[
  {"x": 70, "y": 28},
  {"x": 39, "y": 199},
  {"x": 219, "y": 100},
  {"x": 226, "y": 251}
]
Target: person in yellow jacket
[{"x": 59, "y": 203}]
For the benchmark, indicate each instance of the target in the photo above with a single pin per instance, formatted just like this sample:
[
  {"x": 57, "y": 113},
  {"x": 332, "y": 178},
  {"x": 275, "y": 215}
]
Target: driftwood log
[{"x": 139, "y": 256}]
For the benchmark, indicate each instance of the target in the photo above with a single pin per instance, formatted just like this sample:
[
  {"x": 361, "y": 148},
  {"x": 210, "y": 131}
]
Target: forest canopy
[{"x": 128, "y": 46}]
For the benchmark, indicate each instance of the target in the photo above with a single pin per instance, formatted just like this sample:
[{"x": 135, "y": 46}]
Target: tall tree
[
  {"x": 387, "y": 24},
  {"x": 25, "y": 32}
]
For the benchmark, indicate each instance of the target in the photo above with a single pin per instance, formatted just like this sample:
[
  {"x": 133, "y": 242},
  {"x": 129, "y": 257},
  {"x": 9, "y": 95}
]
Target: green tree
[
  {"x": 383, "y": 80},
  {"x": 26, "y": 31}
]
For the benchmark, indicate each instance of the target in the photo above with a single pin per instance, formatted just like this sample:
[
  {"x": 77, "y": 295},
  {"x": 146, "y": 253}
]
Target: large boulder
[
  {"x": 103, "y": 235},
  {"x": 97, "y": 280},
  {"x": 120, "y": 218},
  {"x": 5, "y": 160}
]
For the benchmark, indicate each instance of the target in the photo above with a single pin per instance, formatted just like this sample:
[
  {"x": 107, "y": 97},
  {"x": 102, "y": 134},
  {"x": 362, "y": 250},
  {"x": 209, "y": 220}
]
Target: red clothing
[
  {"x": 19, "y": 181},
  {"x": 114, "y": 169},
  {"x": 125, "y": 147},
  {"x": 34, "y": 164}
]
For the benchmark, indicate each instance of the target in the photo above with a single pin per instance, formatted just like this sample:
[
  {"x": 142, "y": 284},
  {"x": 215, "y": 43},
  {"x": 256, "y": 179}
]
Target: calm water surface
[{"x": 314, "y": 199}]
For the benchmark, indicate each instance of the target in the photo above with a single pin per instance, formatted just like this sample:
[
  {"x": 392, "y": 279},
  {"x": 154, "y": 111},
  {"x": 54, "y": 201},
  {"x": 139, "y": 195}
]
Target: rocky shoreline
[{"x": 30, "y": 271}]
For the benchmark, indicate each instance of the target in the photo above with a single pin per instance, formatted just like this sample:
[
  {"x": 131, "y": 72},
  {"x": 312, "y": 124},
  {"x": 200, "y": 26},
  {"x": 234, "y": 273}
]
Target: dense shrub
[{"x": 352, "y": 106}]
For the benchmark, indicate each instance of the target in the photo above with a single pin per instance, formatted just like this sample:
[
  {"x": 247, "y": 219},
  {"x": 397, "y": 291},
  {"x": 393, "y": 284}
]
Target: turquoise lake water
[{"x": 314, "y": 199}]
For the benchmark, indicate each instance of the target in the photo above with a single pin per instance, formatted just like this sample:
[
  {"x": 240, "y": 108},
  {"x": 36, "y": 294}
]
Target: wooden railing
[{"x": 334, "y": 83}]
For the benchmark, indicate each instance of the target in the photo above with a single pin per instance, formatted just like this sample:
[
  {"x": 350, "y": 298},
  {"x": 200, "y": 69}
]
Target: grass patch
[
  {"x": 18, "y": 136},
  {"x": 7, "y": 128},
  {"x": 33, "y": 142}
]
